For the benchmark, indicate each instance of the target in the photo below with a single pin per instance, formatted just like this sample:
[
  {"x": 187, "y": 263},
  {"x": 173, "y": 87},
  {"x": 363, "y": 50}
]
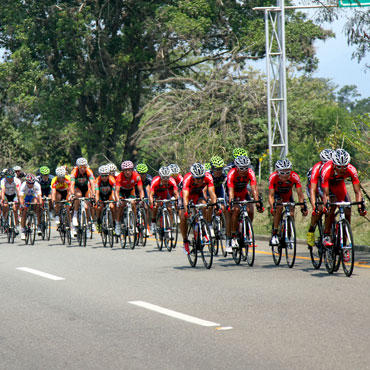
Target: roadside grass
[{"x": 262, "y": 223}]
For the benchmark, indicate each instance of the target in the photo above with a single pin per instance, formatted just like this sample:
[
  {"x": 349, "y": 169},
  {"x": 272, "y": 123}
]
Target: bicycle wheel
[
  {"x": 167, "y": 231},
  {"x": 47, "y": 225},
  {"x": 104, "y": 228},
  {"x": 159, "y": 230},
  {"x": 206, "y": 245},
  {"x": 175, "y": 228},
  {"x": 237, "y": 254},
  {"x": 290, "y": 242},
  {"x": 223, "y": 235},
  {"x": 61, "y": 227},
  {"x": 43, "y": 226},
  {"x": 316, "y": 250},
  {"x": 329, "y": 258},
  {"x": 215, "y": 226},
  {"x": 110, "y": 228},
  {"x": 67, "y": 228},
  {"x": 347, "y": 249},
  {"x": 250, "y": 242},
  {"x": 32, "y": 229},
  {"x": 193, "y": 237},
  {"x": 11, "y": 227},
  {"x": 84, "y": 227},
  {"x": 277, "y": 251},
  {"x": 142, "y": 227},
  {"x": 130, "y": 234}
]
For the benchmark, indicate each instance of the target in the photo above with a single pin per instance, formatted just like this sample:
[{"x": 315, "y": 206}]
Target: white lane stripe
[
  {"x": 177, "y": 315},
  {"x": 40, "y": 273}
]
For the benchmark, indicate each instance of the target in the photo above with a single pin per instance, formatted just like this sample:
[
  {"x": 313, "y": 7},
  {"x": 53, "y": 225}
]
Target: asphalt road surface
[{"x": 69, "y": 307}]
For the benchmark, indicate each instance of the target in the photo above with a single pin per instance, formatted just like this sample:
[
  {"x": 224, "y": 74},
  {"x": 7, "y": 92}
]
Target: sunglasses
[
  {"x": 243, "y": 168},
  {"x": 341, "y": 167},
  {"x": 165, "y": 177},
  {"x": 10, "y": 177},
  {"x": 284, "y": 173},
  {"x": 81, "y": 167},
  {"x": 104, "y": 175},
  {"x": 199, "y": 178}
]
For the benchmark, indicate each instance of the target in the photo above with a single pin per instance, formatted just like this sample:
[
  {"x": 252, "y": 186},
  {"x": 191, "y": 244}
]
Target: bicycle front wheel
[
  {"x": 249, "y": 242},
  {"x": 110, "y": 228},
  {"x": 316, "y": 250},
  {"x": 104, "y": 229},
  {"x": 347, "y": 249},
  {"x": 32, "y": 229},
  {"x": 84, "y": 228},
  {"x": 159, "y": 230},
  {"x": 130, "y": 234},
  {"x": 193, "y": 237},
  {"x": 167, "y": 232},
  {"x": 215, "y": 226},
  {"x": 290, "y": 242},
  {"x": 206, "y": 245}
]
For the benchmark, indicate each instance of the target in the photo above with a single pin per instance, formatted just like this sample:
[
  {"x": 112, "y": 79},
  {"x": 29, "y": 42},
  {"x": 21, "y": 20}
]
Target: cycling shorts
[
  {"x": 11, "y": 198},
  {"x": 45, "y": 192},
  {"x": 28, "y": 199},
  {"x": 284, "y": 197},
  {"x": 194, "y": 197},
  {"x": 63, "y": 194},
  {"x": 339, "y": 191},
  {"x": 84, "y": 190},
  {"x": 127, "y": 193}
]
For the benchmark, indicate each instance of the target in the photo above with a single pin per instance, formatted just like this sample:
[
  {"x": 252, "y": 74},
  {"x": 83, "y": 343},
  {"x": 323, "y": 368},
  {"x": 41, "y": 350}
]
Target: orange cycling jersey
[
  {"x": 61, "y": 185},
  {"x": 82, "y": 179}
]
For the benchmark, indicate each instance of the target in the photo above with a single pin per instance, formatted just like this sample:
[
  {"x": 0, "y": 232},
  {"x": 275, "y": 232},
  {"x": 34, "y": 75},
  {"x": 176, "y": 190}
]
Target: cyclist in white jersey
[
  {"x": 10, "y": 187},
  {"x": 30, "y": 192}
]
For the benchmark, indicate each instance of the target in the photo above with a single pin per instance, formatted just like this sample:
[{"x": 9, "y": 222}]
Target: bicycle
[
  {"x": 30, "y": 227},
  {"x": 163, "y": 229},
  {"x": 82, "y": 221},
  {"x": 9, "y": 225},
  {"x": 219, "y": 228},
  {"x": 199, "y": 236},
  {"x": 64, "y": 227},
  {"x": 175, "y": 224},
  {"x": 128, "y": 225},
  {"x": 286, "y": 235},
  {"x": 342, "y": 249},
  {"x": 245, "y": 236},
  {"x": 45, "y": 223},
  {"x": 142, "y": 226},
  {"x": 107, "y": 224}
]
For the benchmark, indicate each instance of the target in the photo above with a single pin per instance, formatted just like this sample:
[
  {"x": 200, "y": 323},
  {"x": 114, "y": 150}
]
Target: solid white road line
[
  {"x": 177, "y": 315},
  {"x": 40, "y": 273}
]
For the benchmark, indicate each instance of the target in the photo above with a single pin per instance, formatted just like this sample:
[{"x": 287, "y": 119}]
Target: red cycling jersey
[
  {"x": 130, "y": 183},
  {"x": 238, "y": 182},
  {"x": 192, "y": 187},
  {"x": 163, "y": 191},
  {"x": 178, "y": 179},
  {"x": 283, "y": 189},
  {"x": 335, "y": 182}
]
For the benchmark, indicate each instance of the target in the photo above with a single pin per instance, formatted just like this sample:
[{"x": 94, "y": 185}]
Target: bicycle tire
[
  {"x": 130, "y": 234},
  {"x": 175, "y": 229},
  {"x": 48, "y": 226},
  {"x": 237, "y": 254},
  {"x": 110, "y": 228},
  {"x": 242, "y": 237},
  {"x": 43, "y": 225},
  {"x": 316, "y": 252},
  {"x": 223, "y": 235},
  {"x": 11, "y": 227},
  {"x": 206, "y": 245},
  {"x": 167, "y": 231},
  {"x": 215, "y": 227},
  {"x": 159, "y": 230},
  {"x": 67, "y": 228},
  {"x": 193, "y": 237},
  {"x": 32, "y": 230},
  {"x": 61, "y": 227},
  {"x": 348, "y": 249},
  {"x": 104, "y": 228},
  {"x": 84, "y": 227},
  {"x": 290, "y": 243},
  {"x": 250, "y": 241}
]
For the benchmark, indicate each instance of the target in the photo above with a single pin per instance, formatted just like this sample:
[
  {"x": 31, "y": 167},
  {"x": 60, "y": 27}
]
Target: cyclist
[
  {"x": 176, "y": 174},
  {"x": 237, "y": 152},
  {"x": 162, "y": 187},
  {"x": 105, "y": 189},
  {"x": 83, "y": 185},
  {"x": 61, "y": 189},
  {"x": 238, "y": 179},
  {"x": 195, "y": 185},
  {"x": 142, "y": 170},
  {"x": 281, "y": 183},
  {"x": 10, "y": 187},
  {"x": 314, "y": 192},
  {"x": 19, "y": 174},
  {"x": 30, "y": 192},
  {"x": 44, "y": 179},
  {"x": 125, "y": 188},
  {"x": 333, "y": 174},
  {"x": 113, "y": 171}
]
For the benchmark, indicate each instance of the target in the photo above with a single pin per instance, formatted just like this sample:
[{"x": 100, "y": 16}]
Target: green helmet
[
  {"x": 142, "y": 168},
  {"x": 237, "y": 152},
  {"x": 207, "y": 166},
  {"x": 217, "y": 162},
  {"x": 44, "y": 170}
]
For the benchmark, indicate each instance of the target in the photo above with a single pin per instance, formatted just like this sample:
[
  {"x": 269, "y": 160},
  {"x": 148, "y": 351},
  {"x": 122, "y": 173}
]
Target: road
[{"x": 98, "y": 309}]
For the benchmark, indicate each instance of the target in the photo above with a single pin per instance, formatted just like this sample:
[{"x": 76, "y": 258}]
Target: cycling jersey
[
  {"x": 283, "y": 189},
  {"x": 82, "y": 180},
  {"x": 61, "y": 185},
  {"x": 194, "y": 188},
  {"x": 130, "y": 183},
  {"x": 146, "y": 182},
  {"x": 239, "y": 182},
  {"x": 27, "y": 192},
  {"x": 313, "y": 177},
  {"x": 163, "y": 191},
  {"x": 105, "y": 188},
  {"x": 10, "y": 188},
  {"x": 45, "y": 185}
]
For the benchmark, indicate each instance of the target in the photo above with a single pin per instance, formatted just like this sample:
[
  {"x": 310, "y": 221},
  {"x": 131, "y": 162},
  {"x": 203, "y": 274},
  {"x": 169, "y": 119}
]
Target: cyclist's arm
[
  {"x": 141, "y": 191},
  {"x": 271, "y": 198},
  {"x": 151, "y": 197},
  {"x": 2, "y": 194},
  {"x": 255, "y": 192},
  {"x": 175, "y": 193},
  {"x": 358, "y": 193},
  {"x": 53, "y": 194},
  {"x": 231, "y": 193},
  {"x": 212, "y": 194},
  {"x": 313, "y": 195},
  {"x": 185, "y": 197}
]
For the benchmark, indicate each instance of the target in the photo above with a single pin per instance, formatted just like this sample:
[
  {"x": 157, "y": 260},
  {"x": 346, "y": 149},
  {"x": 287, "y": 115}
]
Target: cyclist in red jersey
[
  {"x": 175, "y": 173},
  {"x": 162, "y": 187},
  {"x": 281, "y": 184},
  {"x": 195, "y": 185},
  {"x": 125, "y": 188},
  {"x": 83, "y": 185},
  {"x": 105, "y": 190},
  {"x": 237, "y": 181},
  {"x": 314, "y": 192},
  {"x": 333, "y": 175}
]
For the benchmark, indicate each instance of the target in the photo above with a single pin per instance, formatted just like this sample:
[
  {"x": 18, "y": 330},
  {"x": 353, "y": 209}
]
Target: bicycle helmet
[
  {"x": 61, "y": 171},
  {"x": 164, "y": 173},
  {"x": 127, "y": 165},
  {"x": 242, "y": 162},
  {"x": 44, "y": 170},
  {"x": 174, "y": 168},
  {"x": 197, "y": 170},
  {"x": 326, "y": 155},
  {"x": 103, "y": 170},
  {"x": 17, "y": 168},
  {"x": 207, "y": 166},
  {"x": 341, "y": 157},
  {"x": 30, "y": 178},
  {"x": 9, "y": 172},
  {"x": 237, "y": 152},
  {"x": 217, "y": 162},
  {"x": 112, "y": 168},
  {"x": 66, "y": 168},
  {"x": 81, "y": 162},
  {"x": 283, "y": 164},
  {"x": 142, "y": 168}
]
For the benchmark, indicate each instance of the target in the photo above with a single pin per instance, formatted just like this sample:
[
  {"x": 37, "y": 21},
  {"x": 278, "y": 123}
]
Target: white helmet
[
  {"x": 197, "y": 170},
  {"x": 341, "y": 157},
  {"x": 17, "y": 168},
  {"x": 326, "y": 155},
  {"x": 60, "y": 172},
  {"x": 242, "y": 162},
  {"x": 104, "y": 170},
  {"x": 175, "y": 169},
  {"x": 81, "y": 162},
  {"x": 283, "y": 164},
  {"x": 112, "y": 167},
  {"x": 164, "y": 173}
]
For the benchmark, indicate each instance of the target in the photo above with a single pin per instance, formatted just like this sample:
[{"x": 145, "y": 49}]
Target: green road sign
[{"x": 347, "y": 3}]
